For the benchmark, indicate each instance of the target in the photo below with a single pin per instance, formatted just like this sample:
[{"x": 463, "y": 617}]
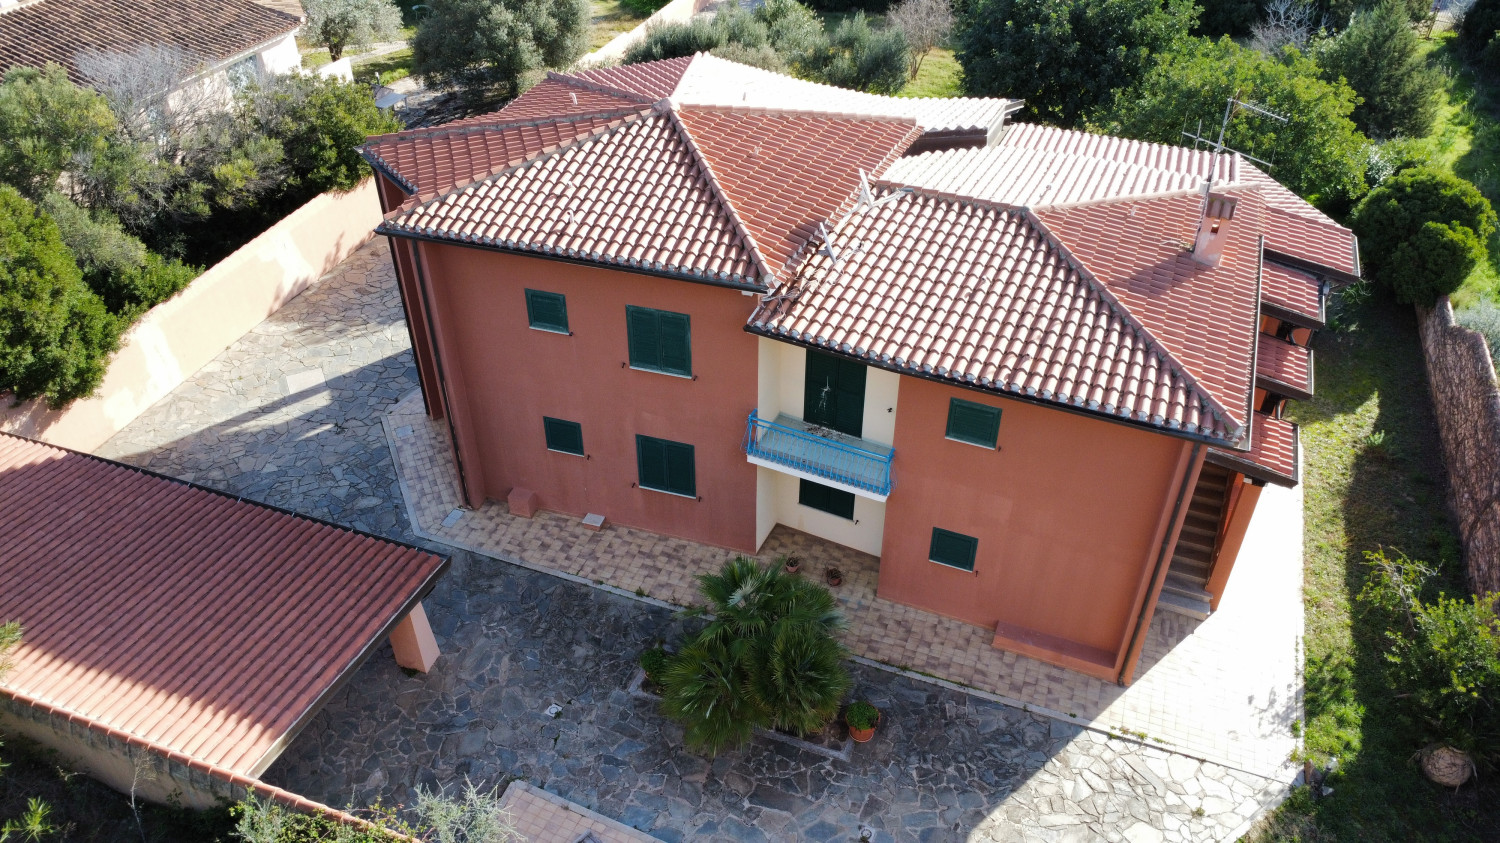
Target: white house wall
[
  {"x": 280, "y": 57},
  {"x": 863, "y": 533}
]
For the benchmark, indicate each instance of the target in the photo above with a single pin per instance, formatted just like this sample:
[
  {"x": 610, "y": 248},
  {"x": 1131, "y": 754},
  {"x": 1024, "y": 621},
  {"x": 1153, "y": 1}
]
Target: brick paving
[{"x": 293, "y": 414}]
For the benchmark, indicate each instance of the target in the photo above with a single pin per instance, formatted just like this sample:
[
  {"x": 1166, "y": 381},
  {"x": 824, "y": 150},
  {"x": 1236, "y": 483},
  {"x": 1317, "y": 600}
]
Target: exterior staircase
[{"x": 1185, "y": 590}]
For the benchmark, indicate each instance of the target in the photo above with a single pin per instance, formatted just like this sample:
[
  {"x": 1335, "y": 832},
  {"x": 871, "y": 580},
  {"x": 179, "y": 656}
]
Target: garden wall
[
  {"x": 1466, "y": 400},
  {"x": 177, "y": 337},
  {"x": 674, "y": 12}
]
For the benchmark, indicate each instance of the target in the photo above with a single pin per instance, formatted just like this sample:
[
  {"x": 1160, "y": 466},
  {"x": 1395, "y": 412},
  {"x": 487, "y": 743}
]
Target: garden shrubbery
[
  {"x": 1442, "y": 656},
  {"x": 1422, "y": 231},
  {"x": 771, "y": 657},
  {"x": 113, "y": 204}
]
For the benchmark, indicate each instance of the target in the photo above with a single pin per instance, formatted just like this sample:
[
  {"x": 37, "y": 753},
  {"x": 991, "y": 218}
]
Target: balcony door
[{"x": 834, "y": 395}]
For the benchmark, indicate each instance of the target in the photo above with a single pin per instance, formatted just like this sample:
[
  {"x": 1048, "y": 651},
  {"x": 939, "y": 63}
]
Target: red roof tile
[
  {"x": 1322, "y": 245},
  {"x": 194, "y": 620},
  {"x": 58, "y": 30},
  {"x": 1284, "y": 368},
  {"x": 978, "y": 294},
  {"x": 785, "y": 173},
  {"x": 654, "y": 79},
  {"x": 1206, "y": 317},
  {"x": 1291, "y": 290},
  {"x": 637, "y": 195},
  {"x": 1273, "y": 452},
  {"x": 558, "y": 96},
  {"x": 431, "y": 161}
]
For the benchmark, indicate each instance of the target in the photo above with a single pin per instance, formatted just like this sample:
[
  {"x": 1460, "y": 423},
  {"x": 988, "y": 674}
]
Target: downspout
[
  {"x": 437, "y": 359},
  {"x": 1162, "y": 557}
]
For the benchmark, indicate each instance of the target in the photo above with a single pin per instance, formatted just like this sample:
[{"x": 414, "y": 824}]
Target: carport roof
[{"x": 200, "y": 622}]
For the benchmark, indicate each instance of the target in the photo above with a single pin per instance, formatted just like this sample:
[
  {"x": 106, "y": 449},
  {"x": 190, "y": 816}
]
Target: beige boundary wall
[
  {"x": 674, "y": 12},
  {"x": 1466, "y": 401},
  {"x": 177, "y": 337}
]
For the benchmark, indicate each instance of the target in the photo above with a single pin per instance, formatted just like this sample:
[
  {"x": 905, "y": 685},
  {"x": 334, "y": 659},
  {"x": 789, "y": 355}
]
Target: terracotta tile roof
[
  {"x": 1318, "y": 245},
  {"x": 785, "y": 173},
  {"x": 1272, "y": 456},
  {"x": 558, "y": 96},
  {"x": 1035, "y": 177},
  {"x": 187, "y": 618},
  {"x": 1292, "y": 291},
  {"x": 58, "y": 30},
  {"x": 1278, "y": 196},
  {"x": 1284, "y": 367},
  {"x": 653, "y": 79},
  {"x": 978, "y": 294},
  {"x": 637, "y": 195},
  {"x": 431, "y": 161},
  {"x": 1206, "y": 317}
]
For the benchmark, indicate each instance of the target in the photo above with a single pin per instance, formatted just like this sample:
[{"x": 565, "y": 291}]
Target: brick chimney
[{"x": 1213, "y": 228}]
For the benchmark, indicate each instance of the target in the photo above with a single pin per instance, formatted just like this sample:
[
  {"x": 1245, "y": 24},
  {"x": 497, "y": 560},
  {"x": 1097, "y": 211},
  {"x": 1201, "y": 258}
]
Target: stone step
[
  {"x": 1187, "y": 585},
  {"x": 1190, "y": 567},
  {"x": 1172, "y": 602}
]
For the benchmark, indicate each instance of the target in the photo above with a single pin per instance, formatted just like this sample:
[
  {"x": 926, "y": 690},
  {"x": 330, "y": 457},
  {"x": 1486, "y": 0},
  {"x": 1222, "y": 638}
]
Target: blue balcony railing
[{"x": 819, "y": 453}]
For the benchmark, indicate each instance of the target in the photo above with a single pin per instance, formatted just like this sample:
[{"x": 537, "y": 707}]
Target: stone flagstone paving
[{"x": 291, "y": 415}]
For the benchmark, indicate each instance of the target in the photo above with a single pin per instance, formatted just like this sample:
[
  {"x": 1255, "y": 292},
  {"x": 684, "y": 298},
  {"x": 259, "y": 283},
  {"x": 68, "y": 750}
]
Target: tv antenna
[{"x": 1232, "y": 107}]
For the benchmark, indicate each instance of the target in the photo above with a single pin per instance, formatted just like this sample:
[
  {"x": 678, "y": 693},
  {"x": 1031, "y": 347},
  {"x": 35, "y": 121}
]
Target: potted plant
[
  {"x": 862, "y": 718},
  {"x": 654, "y": 663},
  {"x": 835, "y": 576},
  {"x": 791, "y": 564}
]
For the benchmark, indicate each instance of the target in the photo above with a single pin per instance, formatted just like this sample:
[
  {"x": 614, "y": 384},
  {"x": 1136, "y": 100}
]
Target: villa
[{"x": 1039, "y": 373}]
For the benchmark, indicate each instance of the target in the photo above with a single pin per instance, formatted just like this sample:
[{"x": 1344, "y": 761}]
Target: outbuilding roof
[
  {"x": 57, "y": 31},
  {"x": 196, "y": 621}
]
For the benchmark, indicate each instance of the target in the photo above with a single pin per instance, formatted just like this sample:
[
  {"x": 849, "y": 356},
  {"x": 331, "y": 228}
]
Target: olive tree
[
  {"x": 341, "y": 24},
  {"x": 926, "y": 25},
  {"x": 491, "y": 48}
]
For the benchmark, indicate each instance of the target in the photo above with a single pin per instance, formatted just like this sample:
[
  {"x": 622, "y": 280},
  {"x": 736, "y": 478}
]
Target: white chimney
[{"x": 1213, "y": 228}]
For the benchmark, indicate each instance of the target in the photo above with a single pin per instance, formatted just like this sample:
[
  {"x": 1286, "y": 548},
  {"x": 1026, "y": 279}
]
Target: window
[
  {"x": 562, "y": 435},
  {"x": 547, "y": 311},
  {"x": 659, "y": 341},
  {"x": 953, "y": 549},
  {"x": 830, "y": 500},
  {"x": 666, "y": 466},
  {"x": 242, "y": 74},
  {"x": 977, "y": 424}
]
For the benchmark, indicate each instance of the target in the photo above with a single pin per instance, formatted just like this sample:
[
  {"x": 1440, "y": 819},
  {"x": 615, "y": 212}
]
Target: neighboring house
[
  {"x": 1039, "y": 373},
  {"x": 193, "y": 628},
  {"x": 230, "y": 42}
]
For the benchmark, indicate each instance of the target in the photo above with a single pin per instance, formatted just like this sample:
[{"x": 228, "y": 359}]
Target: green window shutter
[
  {"x": 977, "y": 424},
  {"x": 666, "y": 466},
  {"x": 826, "y": 498},
  {"x": 954, "y": 549},
  {"x": 660, "y": 340},
  {"x": 563, "y": 435},
  {"x": 547, "y": 311}
]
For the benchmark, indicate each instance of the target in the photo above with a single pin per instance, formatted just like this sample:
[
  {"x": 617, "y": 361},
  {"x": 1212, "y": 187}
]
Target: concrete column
[
  {"x": 1234, "y": 536},
  {"x": 416, "y": 648}
]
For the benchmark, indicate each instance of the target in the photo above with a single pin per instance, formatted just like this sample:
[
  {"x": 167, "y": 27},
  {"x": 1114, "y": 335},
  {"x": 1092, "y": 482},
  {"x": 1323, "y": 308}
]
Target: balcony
[{"x": 793, "y": 446}]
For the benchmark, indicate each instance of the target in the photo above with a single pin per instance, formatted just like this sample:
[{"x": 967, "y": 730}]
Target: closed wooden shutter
[
  {"x": 676, "y": 343},
  {"x": 954, "y": 549},
  {"x": 666, "y": 466},
  {"x": 977, "y": 424},
  {"x": 645, "y": 340},
  {"x": 548, "y": 311},
  {"x": 563, "y": 435},
  {"x": 826, "y": 498},
  {"x": 660, "y": 340}
]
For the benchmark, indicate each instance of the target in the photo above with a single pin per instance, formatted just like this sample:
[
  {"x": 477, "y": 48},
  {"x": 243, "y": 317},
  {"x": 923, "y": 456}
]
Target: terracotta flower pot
[
  {"x": 792, "y": 565},
  {"x": 863, "y": 735},
  {"x": 1447, "y": 766},
  {"x": 835, "y": 576}
]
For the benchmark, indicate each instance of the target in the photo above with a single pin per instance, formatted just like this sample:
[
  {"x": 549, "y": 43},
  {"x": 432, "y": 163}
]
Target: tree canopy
[
  {"x": 1066, "y": 59},
  {"x": 340, "y": 24},
  {"x": 1379, "y": 55},
  {"x": 1318, "y": 153},
  {"x": 492, "y": 48},
  {"x": 1422, "y": 231}
]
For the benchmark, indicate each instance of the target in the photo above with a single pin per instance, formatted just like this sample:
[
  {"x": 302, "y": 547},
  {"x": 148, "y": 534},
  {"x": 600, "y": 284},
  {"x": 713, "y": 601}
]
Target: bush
[
  {"x": 1065, "y": 59},
  {"x": 1318, "y": 153},
  {"x": 55, "y": 334},
  {"x": 654, "y": 662},
  {"x": 1399, "y": 226},
  {"x": 47, "y": 126},
  {"x": 491, "y": 48},
  {"x": 319, "y": 122},
  {"x": 643, "y": 8},
  {"x": 674, "y": 40},
  {"x": 339, "y": 24},
  {"x": 1226, "y": 17},
  {"x": 1478, "y": 37},
  {"x": 861, "y": 57},
  {"x": 1380, "y": 56},
  {"x": 861, "y": 715},
  {"x": 469, "y": 816},
  {"x": 1484, "y": 317},
  {"x": 770, "y": 657},
  {"x": 1443, "y": 655}
]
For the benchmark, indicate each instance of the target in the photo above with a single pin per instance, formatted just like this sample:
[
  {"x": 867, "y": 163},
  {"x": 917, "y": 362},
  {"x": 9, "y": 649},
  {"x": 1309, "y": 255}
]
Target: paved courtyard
[{"x": 292, "y": 414}]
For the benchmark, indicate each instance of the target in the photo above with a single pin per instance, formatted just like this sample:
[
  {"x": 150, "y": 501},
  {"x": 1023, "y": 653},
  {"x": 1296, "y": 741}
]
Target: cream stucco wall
[
  {"x": 782, "y": 370},
  {"x": 280, "y": 57}
]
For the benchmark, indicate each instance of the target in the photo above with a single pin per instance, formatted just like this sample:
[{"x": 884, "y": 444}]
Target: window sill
[
  {"x": 544, "y": 330},
  {"x": 569, "y": 453},
  {"x": 994, "y": 447},
  {"x": 666, "y": 492},
  {"x": 950, "y": 564},
  {"x": 687, "y": 377}
]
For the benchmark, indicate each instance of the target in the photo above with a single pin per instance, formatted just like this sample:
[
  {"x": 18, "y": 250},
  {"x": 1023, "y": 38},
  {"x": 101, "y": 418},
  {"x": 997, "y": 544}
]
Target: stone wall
[
  {"x": 1466, "y": 400},
  {"x": 177, "y": 337}
]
